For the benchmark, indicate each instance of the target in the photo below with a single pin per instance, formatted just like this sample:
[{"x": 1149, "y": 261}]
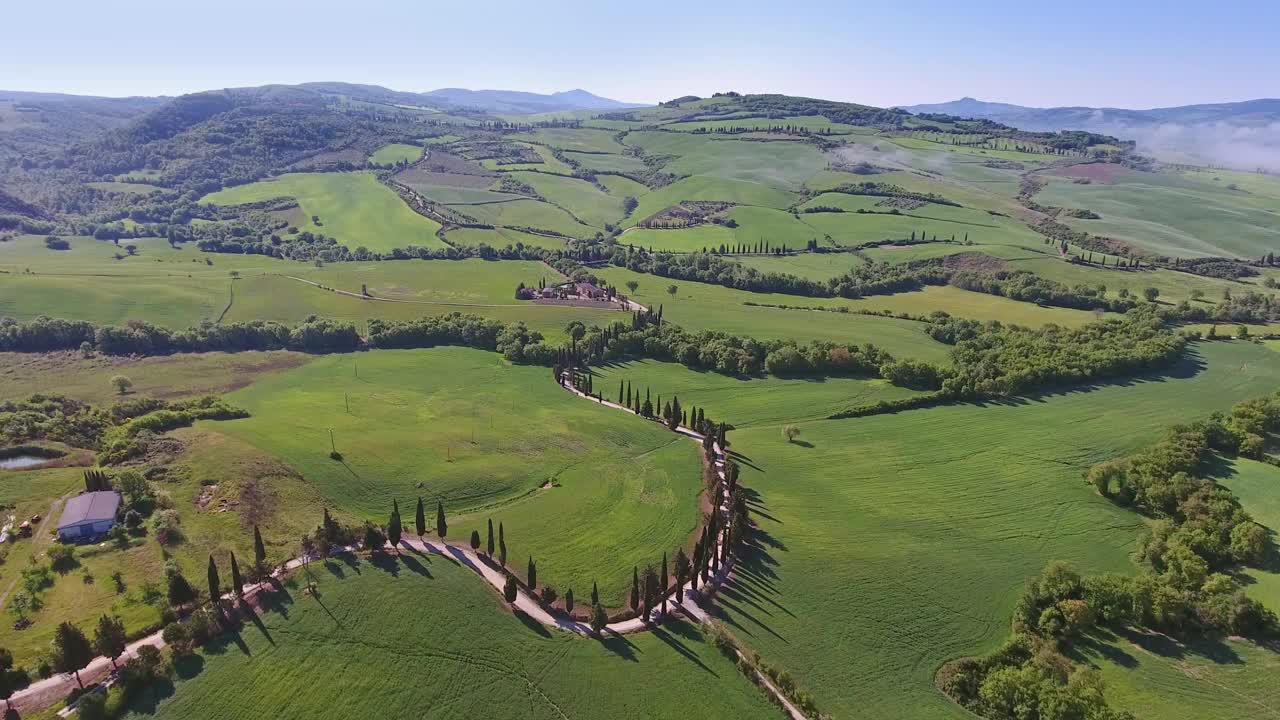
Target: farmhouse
[
  {"x": 589, "y": 290},
  {"x": 88, "y": 516}
]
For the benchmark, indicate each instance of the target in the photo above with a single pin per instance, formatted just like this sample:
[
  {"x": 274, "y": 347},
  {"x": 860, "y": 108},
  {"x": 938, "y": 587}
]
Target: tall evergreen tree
[
  {"x": 649, "y": 586},
  {"x": 682, "y": 573},
  {"x": 502, "y": 547},
  {"x": 532, "y": 575},
  {"x": 635, "y": 588},
  {"x": 420, "y": 519},
  {"x": 619, "y": 392},
  {"x": 394, "y": 527},
  {"x": 237, "y": 582},
  {"x": 662, "y": 590},
  {"x": 595, "y": 593},
  {"x": 72, "y": 651},
  {"x": 215, "y": 587},
  {"x": 509, "y": 590},
  {"x": 488, "y": 546},
  {"x": 599, "y": 619},
  {"x": 259, "y": 550},
  {"x": 568, "y": 600},
  {"x": 442, "y": 529},
  {"x": 475, "y": 540}
]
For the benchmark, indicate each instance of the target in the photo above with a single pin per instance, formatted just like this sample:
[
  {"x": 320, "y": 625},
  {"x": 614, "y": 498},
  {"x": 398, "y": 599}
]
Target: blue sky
[{"x": 1119, "y": 53}]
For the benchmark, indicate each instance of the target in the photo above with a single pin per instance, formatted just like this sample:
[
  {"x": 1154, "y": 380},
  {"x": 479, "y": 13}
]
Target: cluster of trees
[
  {"x": 43, "y": 334},
  {"x": 991, "y": 359},
  {"x": 880, "y": 189},
  {"x": 515, "y": 341}
]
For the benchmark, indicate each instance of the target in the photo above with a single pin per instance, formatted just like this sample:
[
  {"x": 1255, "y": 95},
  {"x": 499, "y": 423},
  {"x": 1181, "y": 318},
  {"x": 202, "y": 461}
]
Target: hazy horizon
[{"x": 1130, "y": 55}]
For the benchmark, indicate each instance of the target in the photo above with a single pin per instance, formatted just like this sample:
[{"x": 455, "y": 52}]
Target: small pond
[{"x": 19, "y": 462}]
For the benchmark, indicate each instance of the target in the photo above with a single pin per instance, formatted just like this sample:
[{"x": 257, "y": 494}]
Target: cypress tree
[
  {"x": 682, "y": 573},
  {"x": 595, "y": 593},
  {"x": 215, "y": 587},
  {"x": 568, "y": 600},
  {"x": 635, "y": 588},
  {"x": 488, "y": 546},
  {"x": 442, "y": 528},
  {"x": 619, "y": 392},
  {"x": 509, "y": 590},
  {"x": 237, "y": 582},
  {"x": 259, "y": 550},
  {"x": 475, "y": 540},
  {"x": 598, "y": 618},
  {"x": 533, "y": 575},
  {"x": 502, "y": 546},
  {"x": 662, "y": 590},
  {"x": 394, "y": 528},
  {"x": 693, "y": 569},
  {"x": 420, "y": 519}
]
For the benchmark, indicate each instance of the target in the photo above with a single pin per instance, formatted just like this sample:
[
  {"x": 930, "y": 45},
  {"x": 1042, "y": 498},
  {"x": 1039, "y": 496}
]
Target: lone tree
[
  {"x": 442, "y": 528},
  {"x": 110, "y": 639},
  {"x": 121, "y": 383},
  {"x": 488, "y": 546},
  {"x": 394, "y": 528},
  {"x": 533, "y": 574},
  {"x": 595, "y": 593},
  {"x": 215, "y": 586},
  {"x": 568, "y": 600},
  {"x": 509, "y": 590},
  {"x": 791, "y": 432},
  {"x": 475, "y": 540},
  {"x": 672, "y": 290},
  {"x": 420, "y": 519},
  {"x": 237, "y": 582},
  {"x": 632, "y": 285},
  {"x": 599, "y": 619},
  {"x": 1150, "y": 294},
  {"x": 259, "y": 553},
  {"x": 71, "y": 650}
]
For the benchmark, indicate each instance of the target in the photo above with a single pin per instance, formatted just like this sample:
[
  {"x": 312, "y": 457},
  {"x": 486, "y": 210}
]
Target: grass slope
[
  {"x": 896, "y": 542},
  {"x": 420, "y": 636},
  {"x": 353, "y": 207},
  {"x": 467, "y": 428}
]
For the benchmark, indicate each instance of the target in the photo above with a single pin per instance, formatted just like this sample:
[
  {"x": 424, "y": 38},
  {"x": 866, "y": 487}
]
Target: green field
[
  {"x": 1183, "y": 214},
  {"x": 699, "y": 306},
  {"x": 528, "y": 213},
  {"x": 975, "y": 306},
  {"x": 464, "y": 427},
  {"x": 701, "y": 187},
  {"x": 502, "y": 237},
  {"x": 585, "y": 201},
  {"x": 420, "y": 636},
  {"x": 353, "y": 207},
  {"x": 812, "y": 266},
  {"x": 394, "y": 153},
  {"x": 607, "y": 163},
  {"x": 1173, "y": 286},
  {"x": 748, "y": 402},
  {"x": 894, "y": 543}
]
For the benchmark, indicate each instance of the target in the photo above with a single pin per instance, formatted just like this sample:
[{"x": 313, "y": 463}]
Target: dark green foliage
[
  {"x": 595, "y": 593},
  {"x": 568, "y": 600},
  {"x": 502, "y": 547},
  {"x": 599, "y": 619},
  {"x": 180, "y": 591},
  {"x": 682, "y": 573},
  {"x": 110, "y": 639},
  {"x": 237, "y": 582},
  {"x": 260, "y": 550},
  {"x": 532, "y": 574},
  {"x": 420, "y": 522},
  {"x": 442, "y": 528},
  {"x": 215, "y": 585},
  {"x": 394, "y": 528},
  {"x": 374, "y": 539},
  {"x": 488, "y": 548},
  {"x": 510, "y": 590},
  {"x": 72, "y": 651},
  {"x": 475, "y": 540}
]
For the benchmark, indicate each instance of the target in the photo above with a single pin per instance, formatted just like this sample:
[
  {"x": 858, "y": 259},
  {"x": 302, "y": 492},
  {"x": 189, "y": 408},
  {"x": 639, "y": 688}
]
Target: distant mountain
[
  {"x": 515, "y": 101},
  {"x": 1240, "y": 134}
]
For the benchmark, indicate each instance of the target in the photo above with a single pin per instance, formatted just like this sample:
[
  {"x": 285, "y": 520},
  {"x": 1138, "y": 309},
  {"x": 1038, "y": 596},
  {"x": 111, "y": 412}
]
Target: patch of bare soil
[
  {"x": 1105, "y": 173},
  {"x": 901, "y": 203}
]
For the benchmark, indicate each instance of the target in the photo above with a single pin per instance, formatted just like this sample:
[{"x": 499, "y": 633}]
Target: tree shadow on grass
[
  {"x": 530, "y": 623},
  {"x": 335, "y": 568},
  {"x": 415, "y": 566},
  {"x": 188, "y": 666},
  {"x": 673, "y": 642},
  {"x": 386, "y": 562},
  {"x": 147, "y": 700},
  {"x": 619, "y": 645}
]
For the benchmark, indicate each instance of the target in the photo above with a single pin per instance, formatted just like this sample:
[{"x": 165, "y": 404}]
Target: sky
[{"x": 1121, "y": 53}]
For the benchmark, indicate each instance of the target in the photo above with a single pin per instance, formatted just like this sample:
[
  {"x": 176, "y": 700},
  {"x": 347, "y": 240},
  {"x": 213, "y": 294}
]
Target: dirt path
[{"x": 46, "y": 526}]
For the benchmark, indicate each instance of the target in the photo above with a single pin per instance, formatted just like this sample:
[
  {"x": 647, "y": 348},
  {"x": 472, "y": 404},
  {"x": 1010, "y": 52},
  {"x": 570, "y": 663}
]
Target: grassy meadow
[
  {"x": 701, "y": 306},
  {"x": 354, "y": 208},
  {"x": 484, "y": 437},
  {"x": 421, "y": 636},
  {"x": 396, "y": 152},
  {"x": 896, "y": 542}
]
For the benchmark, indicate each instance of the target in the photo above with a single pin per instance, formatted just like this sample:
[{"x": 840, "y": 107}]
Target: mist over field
[{"x": 1226, "y": 144}]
